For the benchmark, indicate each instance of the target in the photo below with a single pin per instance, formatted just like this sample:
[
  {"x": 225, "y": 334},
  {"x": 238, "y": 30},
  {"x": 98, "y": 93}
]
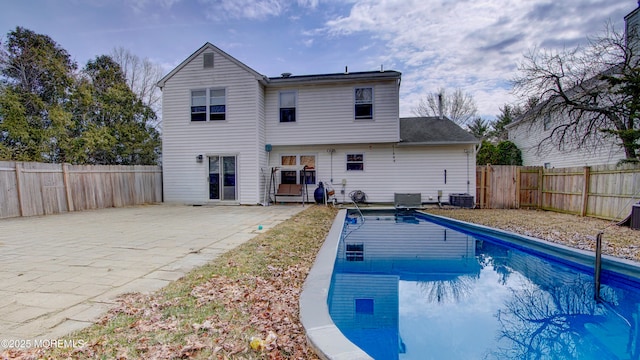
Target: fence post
[
  {"x": 67, "y": 188},
  {"x": 540, "y": 186},
  {"x": 483, "y": 187},
  {"x": 489, "y": 185},
  {"x": 18, "y": 188},
  {"x": 517, "y": 199},
  {"x": 585, "y": 190}
]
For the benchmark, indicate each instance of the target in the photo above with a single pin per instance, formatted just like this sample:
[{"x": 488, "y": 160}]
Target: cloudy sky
[{"x": 474, "y": 45}]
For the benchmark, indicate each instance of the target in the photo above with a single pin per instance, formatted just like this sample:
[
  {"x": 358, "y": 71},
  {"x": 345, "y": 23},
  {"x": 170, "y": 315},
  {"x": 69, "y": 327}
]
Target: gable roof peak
[{"x": 209, "y": 46}]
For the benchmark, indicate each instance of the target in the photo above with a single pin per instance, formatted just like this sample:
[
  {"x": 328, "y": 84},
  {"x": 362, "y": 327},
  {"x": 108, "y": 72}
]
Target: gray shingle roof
[
  {"x": 433, "y": 131},
  {"x": 335, "y": 77}
]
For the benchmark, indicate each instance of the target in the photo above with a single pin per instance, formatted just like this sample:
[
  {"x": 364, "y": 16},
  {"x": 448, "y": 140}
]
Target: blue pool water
[{"x": 407, "y": 288}]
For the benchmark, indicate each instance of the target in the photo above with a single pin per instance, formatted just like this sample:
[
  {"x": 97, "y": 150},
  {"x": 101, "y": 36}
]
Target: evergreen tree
[
  {"x": 480, "y": 128},
  {"x": 486, "y": 154},
  {"x": 505, "y": 153},
  {"x": 50, "y": 113},
  {"x": 118, "y": 129},
  {"x": 508, "y": 114},
  {"x": 508, "y": 154},
  {"x": 37, "y": 75}
]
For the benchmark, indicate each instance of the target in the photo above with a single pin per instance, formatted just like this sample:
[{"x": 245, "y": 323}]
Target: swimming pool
[{"x": 422, "y": 287}]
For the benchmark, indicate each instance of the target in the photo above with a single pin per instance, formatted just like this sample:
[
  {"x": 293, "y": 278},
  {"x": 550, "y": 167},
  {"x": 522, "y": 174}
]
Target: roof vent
[
  {"x": 207, "y": 60},
  {"x": 286, "y": 75}
]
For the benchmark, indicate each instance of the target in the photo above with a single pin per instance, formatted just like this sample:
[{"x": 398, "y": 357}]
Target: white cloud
[
  {"x": 251, "y": 9},
  {"x": 139, "y": 5},
  {"x": 473, "y": 45},
  {"x": 308, "y": 3}
]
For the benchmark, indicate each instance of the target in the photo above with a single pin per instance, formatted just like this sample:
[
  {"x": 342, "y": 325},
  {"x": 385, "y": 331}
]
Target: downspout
[{"x": 466, "y": 151}]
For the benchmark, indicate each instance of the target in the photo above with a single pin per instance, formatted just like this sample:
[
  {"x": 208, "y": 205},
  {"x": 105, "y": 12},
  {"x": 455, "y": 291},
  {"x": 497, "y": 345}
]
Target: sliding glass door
[{"x": 222, "y": 178}]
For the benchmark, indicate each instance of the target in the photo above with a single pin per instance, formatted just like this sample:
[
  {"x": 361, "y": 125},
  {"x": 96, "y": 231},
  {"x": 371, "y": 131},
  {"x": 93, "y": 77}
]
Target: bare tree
[
  {"x": 586, "y": 93},
  {"x": 459, "y": 106},
  {"x": 142, "y": 76}
]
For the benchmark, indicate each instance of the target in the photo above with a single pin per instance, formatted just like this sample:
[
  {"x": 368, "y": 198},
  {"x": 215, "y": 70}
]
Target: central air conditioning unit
[
  {"x": 407, "y": 200},
  {"x": 635, "y": 217},
  {"x": 461, "y": 200}
]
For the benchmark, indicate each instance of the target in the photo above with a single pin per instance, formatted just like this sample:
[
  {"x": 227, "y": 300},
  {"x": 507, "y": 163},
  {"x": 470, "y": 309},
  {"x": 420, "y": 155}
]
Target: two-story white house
[{"x": 232, "y": 135}]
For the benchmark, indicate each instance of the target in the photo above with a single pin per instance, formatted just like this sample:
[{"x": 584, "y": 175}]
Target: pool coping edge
[
  {"x": 623, "y": 266},
  {"x": 322, "y": 333}
]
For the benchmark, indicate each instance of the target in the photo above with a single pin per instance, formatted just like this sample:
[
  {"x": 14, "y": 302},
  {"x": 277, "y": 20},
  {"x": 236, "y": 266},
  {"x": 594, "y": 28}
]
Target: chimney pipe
[{"x": 440, "y": 106}]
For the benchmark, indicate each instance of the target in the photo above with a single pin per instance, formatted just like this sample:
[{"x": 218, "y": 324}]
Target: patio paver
[{"x": 60, "y": 273}]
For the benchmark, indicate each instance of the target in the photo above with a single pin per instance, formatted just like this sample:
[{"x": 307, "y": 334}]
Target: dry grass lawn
[
  {"x": 253, "y": 291},
  {"x": 214, "y": 311}
]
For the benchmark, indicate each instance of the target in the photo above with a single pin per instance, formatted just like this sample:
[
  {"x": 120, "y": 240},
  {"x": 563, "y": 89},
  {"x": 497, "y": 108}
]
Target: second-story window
[
  {"x": 288, "y": 106},
  {"x": 217, "y": 104},
  {"x": 364, "y": 103},
  {"x": 208, "y": 104},
  {"x": 199, "y": 105}
]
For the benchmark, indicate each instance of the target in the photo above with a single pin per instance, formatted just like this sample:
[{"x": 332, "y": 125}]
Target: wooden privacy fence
[
  {"x": 604, "y": 191},
  {"x": 28, "y": 189}
]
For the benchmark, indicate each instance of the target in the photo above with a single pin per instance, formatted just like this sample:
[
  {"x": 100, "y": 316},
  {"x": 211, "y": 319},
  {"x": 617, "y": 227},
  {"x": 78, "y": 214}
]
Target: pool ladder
[
  {"x": 598, "y": 267},
  {"x": 357, "y": 208},
  {"x": 361, "y": 223}
]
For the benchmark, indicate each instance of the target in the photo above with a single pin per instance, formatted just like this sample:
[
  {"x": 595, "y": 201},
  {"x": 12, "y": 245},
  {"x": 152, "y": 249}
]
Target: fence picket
[
  {"x": 603, "y": 191},
  {"x": 28, "y": 189}
]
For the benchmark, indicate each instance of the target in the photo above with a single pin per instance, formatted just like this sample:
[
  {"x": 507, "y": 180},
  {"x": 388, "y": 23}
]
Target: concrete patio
[{"x": 60, "y": 273}]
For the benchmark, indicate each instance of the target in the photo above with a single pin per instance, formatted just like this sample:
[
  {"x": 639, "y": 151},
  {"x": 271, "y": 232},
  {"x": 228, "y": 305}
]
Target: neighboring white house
[
  {"x": 227, "y": 129},
  {"x": 528, "y": 132}
]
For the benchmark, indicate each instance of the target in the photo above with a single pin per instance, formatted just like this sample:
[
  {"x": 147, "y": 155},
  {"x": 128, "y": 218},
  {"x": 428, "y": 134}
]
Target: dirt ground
[{"x": 571, "y": 230}]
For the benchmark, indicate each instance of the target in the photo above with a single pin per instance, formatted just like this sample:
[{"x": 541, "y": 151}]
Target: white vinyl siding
[
  {"x": 185, "y": 180},
  {"x": 392, "y": 169},
  {"x": 526, "y": 136},
  {"x": 325, "y": 115}
]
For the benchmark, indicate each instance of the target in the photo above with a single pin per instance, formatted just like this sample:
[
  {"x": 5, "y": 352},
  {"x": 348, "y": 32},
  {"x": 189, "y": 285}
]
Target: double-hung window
[
  {"x": 355, "y": 162},
  {"x": 293, "y": 176},
  {"x": 364, "y": 103},
  {"x": 217, "y": 104},
  {"x": 208, "y": 104},
  {"x": 288, "y": 100},
  {"x": 199, "y": 105}
]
